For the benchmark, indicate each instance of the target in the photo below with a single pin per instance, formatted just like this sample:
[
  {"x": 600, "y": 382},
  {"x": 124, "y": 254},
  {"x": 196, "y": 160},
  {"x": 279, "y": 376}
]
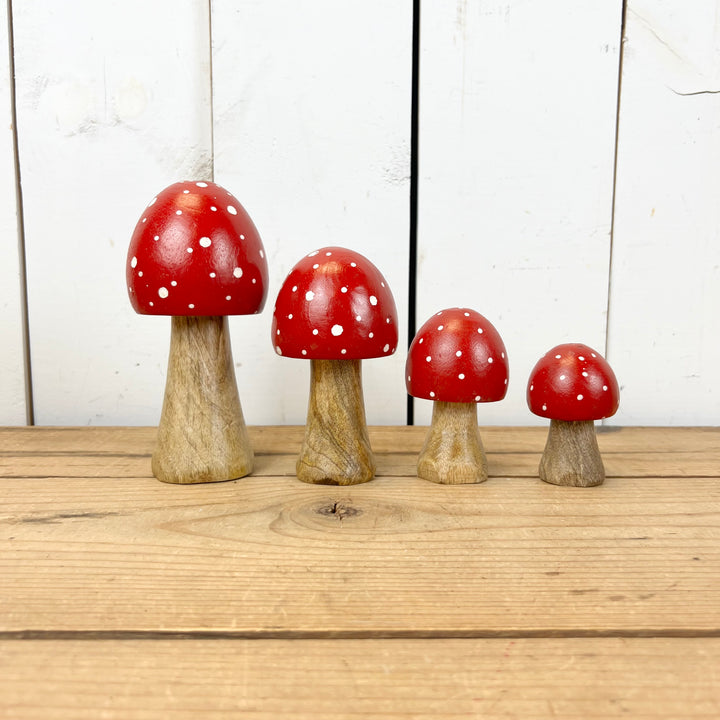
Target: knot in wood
[{"x": 339, "y": 510}]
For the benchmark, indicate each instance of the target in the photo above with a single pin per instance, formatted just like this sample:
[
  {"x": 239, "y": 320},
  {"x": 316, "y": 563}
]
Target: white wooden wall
[{"x": 535, "y": 205}]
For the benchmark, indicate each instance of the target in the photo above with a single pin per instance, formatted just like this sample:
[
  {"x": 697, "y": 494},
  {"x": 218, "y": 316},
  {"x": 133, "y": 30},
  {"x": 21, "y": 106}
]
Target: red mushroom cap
[
  {"x": 457, "y": 356},
  {"x": 573, "y": 382},
  {"x": 195, "y": 251},
  {"x": 335, "y": 305}
]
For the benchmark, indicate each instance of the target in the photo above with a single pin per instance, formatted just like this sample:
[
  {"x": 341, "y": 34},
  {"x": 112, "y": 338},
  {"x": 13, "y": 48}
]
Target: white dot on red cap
[
  {"x": 157, "y": 237},
  {"x": 231, "y": 210},
  {"x": 294, "y": 288},
  {"x": 315, "y": 331},
  {"x": 336, "y": 330},
  {"x": 309, "y": 295},
  {"x": 477, "y": 398},
  {"x": 579, "y": 397},
  {"x": 343, "y": 289},
  {"x": 201, "y": 184},
  {"x": 468, "y": 315},
  {"x": 163, "y": 292},
  {"x": 343, "y": 351},
  {"x": 502, "y": 355},
  {"x": 178, "y": 212},
  {"x": 254, "y": 280},
  {"x": 191, "y": 306},
  {"x": 432, "y": 394},
  {"x": 371, "y": 335},
  {"x": 544, "y": 407},
  {"x": 228, "y": 297},
  {"x": 373, "y": 300},
  {"x": 584, "y": 374},
  {"x": 490, "y": 360},
  {"x": 562, "y": 377},
  {"x": 278, "y": 350},
  {"x": 173, "y": 283},
  {"x": 152, "y": 304},
  {"x": 408, "y": 378},
  {"x": 205, "y": 242},
  {"x": 237, "y": 272},
  {"x": 189, "y": 250},
  {"x": 212, "y": 275},
  {"x": 458, "y": 353},
  {"x": 358, "y": 318},
  {"x": 440, "y": 313},
  {"x": 387, "y": 320},
  {"x": 242, "y": 237},
  {"x": 580, "y": 357},
  {"x": 144, "y": 220},
  {"x": 428, "y": 358},
  {"x": 461, "y": 376},
  {"x": 532, "y": 387},
  {"x": 420, "y": 341},
  {"x": 440, "y": 327},
  {"x": 140, "y": 273},
  {"x": 382, "y": 284},
  {"x": 304, "y": 352},
  {"x": 133, "y": 262},
  {"x": 290, "y": 316},
  {"x": 213, "y": 208},
  {"x": 262, "y": 254},
  {"x": 328, "y": 254},
  {"x": 386, "y": 348},
  {"x": 480, "y": 330},
  {"x": 353, "y": 264},
  {"x": 557, "y": 357},
  {"x": 506, "y": 381},
  {"x": 593, "y": 354},
  {"x": 605, "y": 387},
  {"x": 315, "y": 266}
]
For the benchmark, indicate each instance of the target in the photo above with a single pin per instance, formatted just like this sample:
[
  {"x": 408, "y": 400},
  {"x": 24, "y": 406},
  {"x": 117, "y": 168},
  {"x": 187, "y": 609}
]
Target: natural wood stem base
[
  {"x": 453, "y": 452},
  {"x": 202, "y": 435},
  {"x": 571, "y": 455},
  {"x": 336, "y": 449}
]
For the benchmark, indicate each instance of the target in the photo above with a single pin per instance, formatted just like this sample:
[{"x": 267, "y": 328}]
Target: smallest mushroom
[
  {"x": 457, "y": 359},
  {"x": 572, "y": 385}
]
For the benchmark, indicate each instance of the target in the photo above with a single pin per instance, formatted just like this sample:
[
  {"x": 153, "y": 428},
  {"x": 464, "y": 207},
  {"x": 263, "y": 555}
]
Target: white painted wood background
[{"x": 303, "y": 110}]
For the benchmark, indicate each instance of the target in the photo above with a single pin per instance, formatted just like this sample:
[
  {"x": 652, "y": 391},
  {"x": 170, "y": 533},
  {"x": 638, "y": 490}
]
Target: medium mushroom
[
  {"x": 195, "y": 255},
  {"x": 457, "y": 359},
  {"x": 335, "y": 309},
  {"x": 573, "y": 386}
]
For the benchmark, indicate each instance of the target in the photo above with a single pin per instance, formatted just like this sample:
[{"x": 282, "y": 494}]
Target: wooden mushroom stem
[
  {"x": 453, "y": 452},
  {"x": 336, "y": 448},
  {"x": 202, "y": 435},
  {"x": 571, "y": 455}
]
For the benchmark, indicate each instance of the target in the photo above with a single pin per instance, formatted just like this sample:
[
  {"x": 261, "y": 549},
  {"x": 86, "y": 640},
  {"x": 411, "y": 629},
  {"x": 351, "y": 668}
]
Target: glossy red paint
[
  {"x": 573, "y": 382},
  {"x": 334, "y": 305},
  {"x": 457, "y": 356},
  {"x": 195, "y": 251}
]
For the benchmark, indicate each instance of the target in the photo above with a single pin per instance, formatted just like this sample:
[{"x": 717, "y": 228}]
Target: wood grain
[
  {"x": 336, "y": 447},
  {"x": 453, "y": 452},
  {"x": 202, "y": 435},
  {"x": 571, "y": 455},
  {"x": 111, "y": 549},
  {"x": 339, "y": 680}
]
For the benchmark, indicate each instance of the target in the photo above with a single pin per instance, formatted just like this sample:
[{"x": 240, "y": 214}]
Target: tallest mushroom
[
  {"x": 335, "y": 309},
  {"x": 196, "y": 255}
]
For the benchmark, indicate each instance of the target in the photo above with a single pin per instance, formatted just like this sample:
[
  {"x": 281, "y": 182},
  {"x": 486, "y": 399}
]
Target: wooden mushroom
[
  {"x": 335, "y": 309},
  {"x": 572, "y": 385},
  {"x": 195, "y": 255},
  {"x": 457, "y": 359}
]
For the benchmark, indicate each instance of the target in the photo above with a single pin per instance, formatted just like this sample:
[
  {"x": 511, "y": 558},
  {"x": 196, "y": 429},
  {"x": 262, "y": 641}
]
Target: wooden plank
[
  {"x": 664, "y": 324},
  {"x": 517, "y": 121},
  {"x": 12, "y": 363},
  {"x": 312, "y": 123},
  {"x": 273, "y": 556},
  {"x": 536, "y": 678},
  {"x": 103, "y": 124}
]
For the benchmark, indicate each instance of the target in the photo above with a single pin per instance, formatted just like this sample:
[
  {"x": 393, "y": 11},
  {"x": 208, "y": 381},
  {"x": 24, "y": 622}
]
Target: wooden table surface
[{"x": 122, "y": 597}]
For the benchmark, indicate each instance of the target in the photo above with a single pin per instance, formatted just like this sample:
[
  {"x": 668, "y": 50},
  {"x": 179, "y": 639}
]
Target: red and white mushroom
[
  {"x": 335, "y": 309},
  {"x": 572, "y": 385},
  {"x": 457, "y": 359},
  {"x": 196, "y": 255}
]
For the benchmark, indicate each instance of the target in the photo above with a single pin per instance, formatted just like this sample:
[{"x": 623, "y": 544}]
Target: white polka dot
[
  {"x": 328, "y": 254},
  {"x": 581, "y": 358},
  {"x": 468, "y": 315},
  {"x": 212, "y": 275},
  {"x": 304, "y": 352},
  {"x": 562, "y": 377},
  {"x": 157, "y": 237},
  {"x": 309, "y": 295},
  {"x": 186, "y": 192},
  {"x": 490, "y": 360},
  {"x": 532, "y": 387},
  {"x": 178, "y": 212},
  {"x": 358, "y": 318},
  {"x": 201, "y": 184},
  {"x": 152, "y": 304},
  {"x": 386, "y": 348},
  {"x": 277, "y": 332},
  {"x": 343, "y": 289},
  {"x": 605, "y": 387},
  {"x": 382, "y": 284},
  {"x": 428, "y": 358},
  {"x": 506, "y": 381},
  {"x": 502, "y": 355},
  {"x": 343, "y": 351},
  {"x": 437, "y": 314},
  {"x": 584, "y": 374},
  {"x": 420, "y": 341},
  {"x": 387, "y": 320},
  {"x": 133, "y": 262},
  {"x": 191, "y": 306},
  {"x": 353, "y": 264},
  {"x": 262, "y": 254},
  {"x": 144, "y": 220},
  {"x": 163, "y": 292},
  {"x": 242, "y": 237},
  {"x": 593, "y": 354},
  {"x": 205, "y": 242},
  {"x": 370, "y": 335},
  {"x": 461, "y": 376},
  {"x": 336, "y": 330},
  {"x": 477, "y": 398},
  {"x": 432, "y": 394},
  {"x": 315, "y": 266},
  {"x": 579, "y": 397},
  {"x": 294, "y": 288},
  {"x": 278, "y": 350},
  {"x": 480, "y": 330},
  {"x": 290, "y": 316},
  {"x": 557, "y": 357},
  {"x": 237, "y": 272},
  {"x": 544, "y": 407},
  {"x": 408, "y": 378},
  {"x": 458, "y": 353},
  {"x": 315, "y": 331},
  {"x": 254, "y": 280},
  {"x": 231, "y": 210},
  {"x": 213, "y": 208},
  {"x": 189, "y": 250},
  {"x": 228, "y": 297},
  {"x": 440, "y": 327},
  {"x": 373, "y": 300},
  {"x": 173, "y": 283},
  {"x": 140, "y": 273}
]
